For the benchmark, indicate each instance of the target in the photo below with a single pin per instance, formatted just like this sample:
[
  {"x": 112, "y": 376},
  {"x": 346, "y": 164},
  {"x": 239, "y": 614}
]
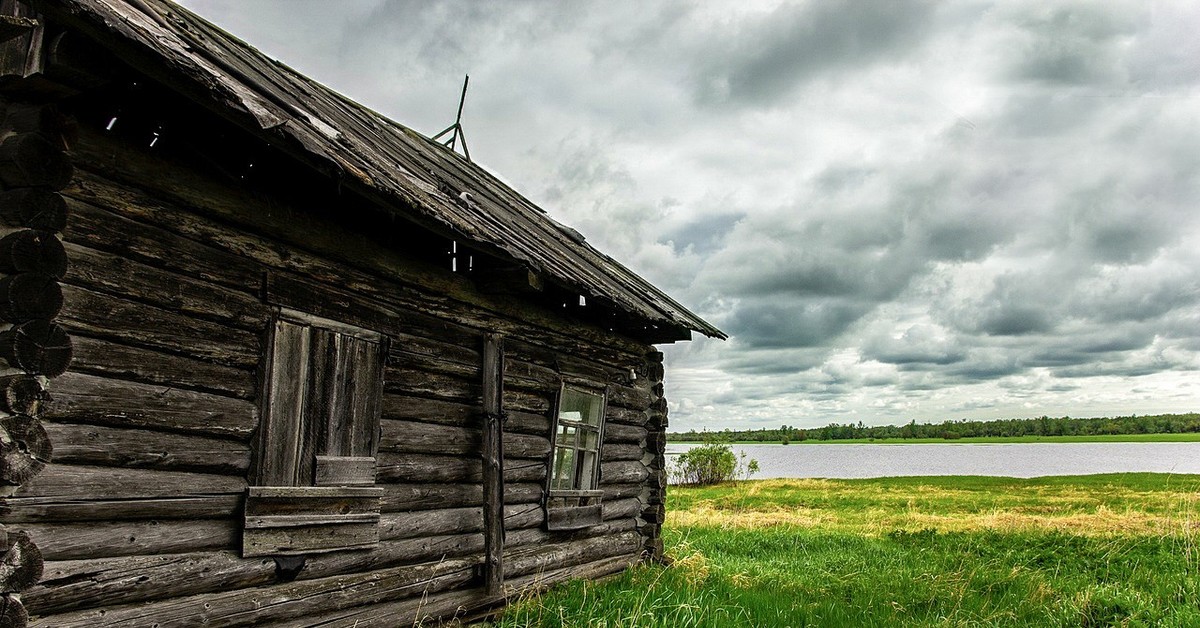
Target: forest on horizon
[{"x": 949, "y": 430}]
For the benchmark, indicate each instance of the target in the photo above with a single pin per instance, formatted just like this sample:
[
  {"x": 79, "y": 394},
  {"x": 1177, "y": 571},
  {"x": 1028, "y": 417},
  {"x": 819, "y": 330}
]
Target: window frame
[
  {"x": 307, "y": 494},
  {"x": 576, "y": 507}
]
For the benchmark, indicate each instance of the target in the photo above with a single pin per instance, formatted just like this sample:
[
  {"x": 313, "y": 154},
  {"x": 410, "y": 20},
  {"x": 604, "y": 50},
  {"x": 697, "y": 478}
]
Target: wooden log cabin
[{"x": 274, "y": 359}]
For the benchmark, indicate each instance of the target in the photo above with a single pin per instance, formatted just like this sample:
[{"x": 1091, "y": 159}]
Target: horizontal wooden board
[
  {"x": 624, "y": 472},
  {"x": 134, "y": 448},
  {"x": 617, "y": 433},
  {"x": 79, "y": 397},
  {"x": 415, "y": 467},
  {"x": 408, "y": 408},
  {"x": 428, "y": 438},
  {"x": 45, "y": 509},
  {"x": 79, "y": 584},
  {"x": 104, "y": 539},
  {"x": 406, "y": 497},
  {"x": 102, "y": 229},
  {"x": 115, "y": 275},
  {"x": 108, "y": 358},
  {"x": 103, "y": 316},
  {"x": 101, "y": 483},
  {"x": 612, "y": 452}
]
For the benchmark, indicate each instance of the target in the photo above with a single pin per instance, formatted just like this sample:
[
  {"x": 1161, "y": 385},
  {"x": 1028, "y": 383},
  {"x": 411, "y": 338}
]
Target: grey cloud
[
  {"x": 794, "y": 323},
  {"x": 703, "y": 235},
  {"x": 1072, "y": 43},
  {"x": 920, "y": 344},
  {"x": 760, "y": 61}
]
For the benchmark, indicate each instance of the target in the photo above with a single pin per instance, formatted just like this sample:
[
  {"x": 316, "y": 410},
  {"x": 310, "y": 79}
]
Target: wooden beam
[{"x": 493, "y": 464}]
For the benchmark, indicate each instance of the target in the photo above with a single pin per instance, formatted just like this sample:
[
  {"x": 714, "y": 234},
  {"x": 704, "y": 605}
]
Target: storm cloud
[{"x": 898, "y": 210}]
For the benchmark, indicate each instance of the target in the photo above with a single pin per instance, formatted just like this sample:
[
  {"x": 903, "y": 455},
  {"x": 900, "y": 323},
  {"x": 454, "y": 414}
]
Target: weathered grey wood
[
  {"x": 33, "y": 251},
  {"x": 301, "y": 520},
  {"x": 618, "y": 433},
  {"x": 32, "y": 160},
  {"x": 36, "y": 208},
  {"x": 142, "y": 325},
  {"x": 110, "y": 359},
  {"x": 613, "y": 452},
  {"x": 283, "y": 601},
  {"x": 119, "y": 276},
  {"x": 445, "y": 521},
  {"x": 622, "y": 491},
  {"x": 78, "y": 584},
  {"x": 394, "y": 553},
  {"x": 85, "y": 508},
  {"x": 22, "y": 394},
  {"x": 416, "y": 382},
  {"x": 345, "y": 471},
  {"x": 592, "y": 561},
  {"x": 149, "y": 449},
  {"x": 29, "y": 296},
  {"x": 103, "y": 230},
  {"x": 24, "y": 449},
  {"x": 78, "y": 397},
  {"x": 636, "y": 397},
  {"x": 101, "y": 483},
  {"x": 37, "y": 347},
  {"x": 622, "y": 508},
  {"x": 527, "y": 446},
  {"x": 96, "y": 153},
  {"x": 573, "y": 518},
  {"x": 624, "y": 472},
  {"x": 410, "y": 468},
  {"x": 282, "y": 435},
  {"x": 527, "y": 423},
  {"x": 527, "y": 402},
  {"x": 406, "y": 408},
  {"x": 492, "y": 452},
  {"x": 427, "y": 438},
  {"x": 105, "y": 539},
  {"x": 21, "y": 563},
  {"x": 405, "y": 497},
  {"x": 626, "y": 416}
]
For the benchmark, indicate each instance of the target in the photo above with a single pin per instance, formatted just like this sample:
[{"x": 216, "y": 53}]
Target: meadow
[{"x": 1102, "y": 550}]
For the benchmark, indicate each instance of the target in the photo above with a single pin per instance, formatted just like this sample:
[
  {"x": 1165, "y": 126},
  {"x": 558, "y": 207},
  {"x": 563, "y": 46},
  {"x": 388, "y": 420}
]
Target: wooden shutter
[{"x": 316, "y": 460}]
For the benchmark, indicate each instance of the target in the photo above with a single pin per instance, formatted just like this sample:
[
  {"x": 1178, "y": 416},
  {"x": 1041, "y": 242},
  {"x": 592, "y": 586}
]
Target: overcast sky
[{"x": 897, "y": 210}]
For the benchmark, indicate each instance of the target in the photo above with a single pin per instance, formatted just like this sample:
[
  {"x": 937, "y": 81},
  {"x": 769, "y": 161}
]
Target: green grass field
[
  {"x": 1186, "y": 437},
  {"x": 1109, "y": 550}
]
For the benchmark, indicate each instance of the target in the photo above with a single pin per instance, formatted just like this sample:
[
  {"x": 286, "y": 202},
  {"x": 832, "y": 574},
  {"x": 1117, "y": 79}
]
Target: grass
[
  {"x": 1111, "y": 550},
  {"x": 1185, "y": 437}
]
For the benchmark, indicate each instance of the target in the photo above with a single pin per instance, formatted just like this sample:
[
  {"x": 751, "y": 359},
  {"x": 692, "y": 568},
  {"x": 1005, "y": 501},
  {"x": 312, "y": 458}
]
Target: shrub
[{"x": 712, "y": 464}]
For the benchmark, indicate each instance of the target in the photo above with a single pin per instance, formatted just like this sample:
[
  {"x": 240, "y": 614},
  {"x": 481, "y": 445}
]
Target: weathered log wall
[{"x": 167, "y": 298}]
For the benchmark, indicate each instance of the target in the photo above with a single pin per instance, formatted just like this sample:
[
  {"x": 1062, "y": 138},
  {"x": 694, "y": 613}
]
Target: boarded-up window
[
  {"x": 574, "y": 495},
  {"x": 319, "y": 434}
]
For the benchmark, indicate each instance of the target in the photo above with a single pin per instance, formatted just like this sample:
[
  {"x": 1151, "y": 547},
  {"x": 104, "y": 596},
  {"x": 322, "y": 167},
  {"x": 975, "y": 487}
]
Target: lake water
[{"x": 1022, "y": 460}]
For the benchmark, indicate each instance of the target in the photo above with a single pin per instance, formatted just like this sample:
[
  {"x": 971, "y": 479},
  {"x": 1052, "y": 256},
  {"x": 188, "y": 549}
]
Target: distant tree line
[{"x": 1040, "y": 426}]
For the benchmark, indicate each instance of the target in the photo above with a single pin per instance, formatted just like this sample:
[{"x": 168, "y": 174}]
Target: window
[
  {"x": 574, "y": 496},
  {"x": 313, "y": 486}
]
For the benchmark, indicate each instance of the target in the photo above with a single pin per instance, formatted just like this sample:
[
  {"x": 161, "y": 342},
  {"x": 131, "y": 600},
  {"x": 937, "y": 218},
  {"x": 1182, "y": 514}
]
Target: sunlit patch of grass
[{"x": 1110, "y": 551}]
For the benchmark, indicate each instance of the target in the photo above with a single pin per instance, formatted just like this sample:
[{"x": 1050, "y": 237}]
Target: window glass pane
[
  {"x": 577, "y": 405},
  {"x": 564, "y": 469},
  {"x": 590, "y": 439}
]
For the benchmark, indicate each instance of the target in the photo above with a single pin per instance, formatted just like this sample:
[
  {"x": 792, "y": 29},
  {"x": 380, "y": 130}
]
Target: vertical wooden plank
[
  {"x": 493, "y": 463},
  {"x": 366, "y": 399},
  {"x": 282, "y": 426},
  {"x": 322, "y": 394}
]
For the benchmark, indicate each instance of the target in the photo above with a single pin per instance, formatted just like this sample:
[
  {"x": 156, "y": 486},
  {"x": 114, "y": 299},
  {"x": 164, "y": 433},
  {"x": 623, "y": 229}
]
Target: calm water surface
[{"x": 1022, "y": 460}]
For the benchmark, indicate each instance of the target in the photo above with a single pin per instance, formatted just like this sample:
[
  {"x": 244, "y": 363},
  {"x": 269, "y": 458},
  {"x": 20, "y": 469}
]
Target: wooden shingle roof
[{"x": 415, "y": 176}]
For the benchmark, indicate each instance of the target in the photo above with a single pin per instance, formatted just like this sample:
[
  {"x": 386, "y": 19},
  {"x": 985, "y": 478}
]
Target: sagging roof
[{"x": 366, "y": 149}]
